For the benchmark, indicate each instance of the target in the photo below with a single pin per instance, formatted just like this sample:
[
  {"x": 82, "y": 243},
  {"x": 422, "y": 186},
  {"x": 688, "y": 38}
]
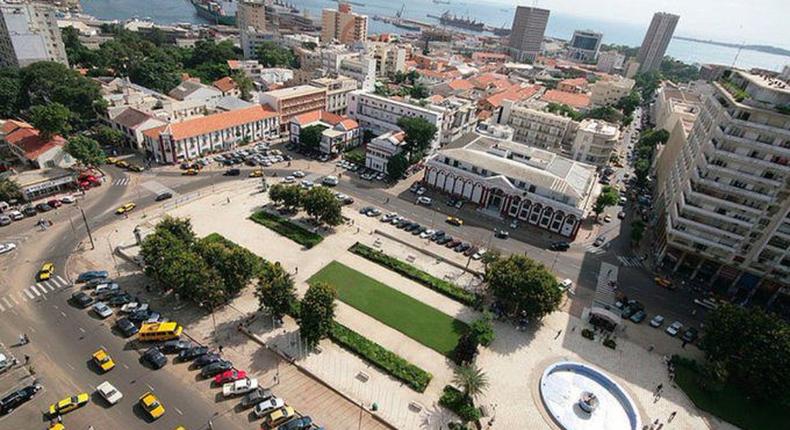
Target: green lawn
[
  {"x": 288, "y": 229},
  {"x": 730, "y": 404},
  {"x": 426, "y": 325}
]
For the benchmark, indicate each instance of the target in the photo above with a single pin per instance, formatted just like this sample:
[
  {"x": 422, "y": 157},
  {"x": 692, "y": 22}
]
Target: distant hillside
[{"x": 759, "y": 48}]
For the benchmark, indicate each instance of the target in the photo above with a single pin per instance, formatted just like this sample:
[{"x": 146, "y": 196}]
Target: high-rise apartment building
[
  {"x": 29, "y": 33},
  {"x": 343, "y": 25},
  {"x": 584, "y": 45},
  {"x": 251, "y": 14},
  {"x": 656, "y": 41},
  {"x": 526, "y": 36},
  {"x": 723, "y": 188}
]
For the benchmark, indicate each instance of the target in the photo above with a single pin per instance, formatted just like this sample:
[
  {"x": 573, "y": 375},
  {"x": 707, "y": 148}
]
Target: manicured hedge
[
  {"x": 407, "y": 270},
  {"x": 288, "y": 229},
  {"x": 382, "y": 358},
  {"x": 455, "y": 401}
]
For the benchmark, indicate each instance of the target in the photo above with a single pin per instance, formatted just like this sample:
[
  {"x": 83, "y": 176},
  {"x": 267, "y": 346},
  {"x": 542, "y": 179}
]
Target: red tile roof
[
  {"x": 513, "y": 94},
  {"x": 349, "y": 124},
  {"x": 26, "y": 138},
  {"x": 225, "y": 84},
  {"x": 575, "y": 82},
  {"x": 461, "y": 84},
  {"x": 211, "y": 123},
  {"x": 315, "y": 116},
  {"x": 563, "y": 97},
  {"x": 234, "y": 64}
]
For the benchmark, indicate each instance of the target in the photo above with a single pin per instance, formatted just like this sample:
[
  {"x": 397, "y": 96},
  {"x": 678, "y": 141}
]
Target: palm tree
[{"x": 471, "y": 379}]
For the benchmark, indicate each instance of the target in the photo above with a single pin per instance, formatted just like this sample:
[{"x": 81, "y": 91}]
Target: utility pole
[{"x": 87, "y": 227}]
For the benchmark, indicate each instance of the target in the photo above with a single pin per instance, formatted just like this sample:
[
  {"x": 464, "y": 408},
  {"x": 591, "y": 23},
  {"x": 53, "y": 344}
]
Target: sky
[{"x": 735, "y": 21}]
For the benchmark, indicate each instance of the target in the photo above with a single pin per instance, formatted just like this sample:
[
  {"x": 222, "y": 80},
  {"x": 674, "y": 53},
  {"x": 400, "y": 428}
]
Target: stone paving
[{"x": 511, "y": 363}]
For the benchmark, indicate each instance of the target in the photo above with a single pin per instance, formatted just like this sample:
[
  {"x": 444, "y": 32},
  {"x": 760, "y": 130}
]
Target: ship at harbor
[
  {"x": 221, "y": 12},
  {"x": 466, "y": 23}
]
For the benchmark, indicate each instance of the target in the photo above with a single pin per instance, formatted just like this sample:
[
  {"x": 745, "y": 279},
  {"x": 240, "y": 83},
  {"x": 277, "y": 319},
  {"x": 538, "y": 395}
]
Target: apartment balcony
[
  {"x": 720, "y": 201},
  {"x": 735, "y": 174},
  {"x": 731, "y": 189},
  {"x": 753, "y": 143},
  {"x": 690, "y": 206},
  {"x": 731, "y": 155},
  {"x": 672, "y": 231},
  {"x": 712, "y": 229},
  {"x": 756, "y": 125}
]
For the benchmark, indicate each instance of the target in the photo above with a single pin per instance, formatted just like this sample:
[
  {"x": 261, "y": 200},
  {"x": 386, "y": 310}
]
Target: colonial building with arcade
[{"x": 509, "y": 179}]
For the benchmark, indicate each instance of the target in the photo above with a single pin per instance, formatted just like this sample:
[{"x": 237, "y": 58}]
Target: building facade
[
  {"x": 724, "y": 195},
  {"x": 340, "y": 132},
  {"x": 360, "y": 68},
  {"x": 656, "y": 41},
  {"x": 194, "y": 138},
  {"x": 610, "y": 62},
  {"x": 526, "y": 36},
  {"x": 508, "y": 179},
  {"x": 343, "y": 25},
  {"x": 29, "y": 33},
  {"x": 584, "y": 45},
  {"x": 459, "y": 119},
  {"x": 594, "y": 142},
  {"x": 608, "y": 91},
  {"x": 251, "y": 14},
  {"x": 293, "y": 101},
  {"x": 390, "y": 58},
  {"x": 382, "y": 148},
  {"x": 537, "y": 128},
  {"x": 337, "y": 90}
]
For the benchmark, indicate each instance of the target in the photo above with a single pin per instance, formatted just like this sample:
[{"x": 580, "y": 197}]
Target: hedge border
[
  {"x": 286, "y": 228},
  {"x": 409, "y": 271},
  {"x": 454, "y": 400}
]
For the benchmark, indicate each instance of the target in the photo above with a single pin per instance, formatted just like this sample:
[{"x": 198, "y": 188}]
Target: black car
[
  {"x": 43, "y": 207},
  {"x": 155, "y": 358},
  {"x": 29, "y": 211},
  {"x": 631, "y": 307},
  {"x": 216, "y": 368},
  {"x": 163, "y": 196},
  {"x": 120, "y": 299},
  {"x": 176, "y": 346},
  {"x": 126, "y": 327},
  {"x": 560, "y": 246},
  {"x": 690, "y": 335},
  {"x": 453, "y": 243},
  {"x": 81, "y": 299},
  {"x": 192, "y": 353},
  {"x": 139, "y": 316},
  {"x": 255, "y": 396},
  {"x": 301, "y": 423},
  {"x": 462, "y": 247},
  {"x": 501, "y": 234},
  {"x": 232, "y": 172},
  {"x": 207, "y": 359},
  {"x": 17, "y": 398},
  {"x": 438, "y": 235},
  {"x": 444, "y": 239},
  {"x": 418, "y": 230}
]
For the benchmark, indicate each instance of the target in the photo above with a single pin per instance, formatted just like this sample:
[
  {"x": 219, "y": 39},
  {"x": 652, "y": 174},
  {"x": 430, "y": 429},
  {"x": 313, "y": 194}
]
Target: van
[{"x": 159, "y": 331}]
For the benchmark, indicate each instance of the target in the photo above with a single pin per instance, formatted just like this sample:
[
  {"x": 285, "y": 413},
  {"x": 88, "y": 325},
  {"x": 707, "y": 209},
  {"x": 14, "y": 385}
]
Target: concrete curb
[
  {"x": 427, "y": 252},
  {"x": 311, "y": 375}
]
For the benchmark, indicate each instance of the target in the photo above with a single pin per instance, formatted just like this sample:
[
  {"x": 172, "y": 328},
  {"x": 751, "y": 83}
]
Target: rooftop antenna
[{"x": 738, "y": 52}]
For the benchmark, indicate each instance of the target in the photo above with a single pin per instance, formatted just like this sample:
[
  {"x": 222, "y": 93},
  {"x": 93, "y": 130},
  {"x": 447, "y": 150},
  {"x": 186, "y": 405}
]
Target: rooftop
[
  {"x": 225, "y": 84},
  {"x": 574, "y": 100},
  {"x": 25, "y": 137},
  {"x": 297, "y": 91},
  {"x": 211, "y": 123}
]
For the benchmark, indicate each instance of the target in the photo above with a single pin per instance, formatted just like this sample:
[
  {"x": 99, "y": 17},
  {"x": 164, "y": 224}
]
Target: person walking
[
  {"x": 27, "y": 359},
  {"x": 672, "y": 416}
]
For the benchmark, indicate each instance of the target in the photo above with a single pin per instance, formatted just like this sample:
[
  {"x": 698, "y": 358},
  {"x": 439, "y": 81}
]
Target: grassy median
[
  {"x": 288, "y": 229},
  {"x": 425, "y": 324}
]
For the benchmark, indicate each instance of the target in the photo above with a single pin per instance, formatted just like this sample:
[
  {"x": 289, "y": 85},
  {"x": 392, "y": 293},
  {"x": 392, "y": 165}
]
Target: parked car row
[
  {"x": 308, "y": 152},
  {"x": 18, "y": 213},
  {"x": 634, "y": 311}
]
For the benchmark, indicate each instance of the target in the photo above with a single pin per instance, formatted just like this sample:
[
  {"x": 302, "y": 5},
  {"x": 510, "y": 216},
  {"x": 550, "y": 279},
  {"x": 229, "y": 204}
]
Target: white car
[
  {"x": 107, "y": 287},
  {"x": 330, "y": 181},
  {"x": 133, "y": 307},
  {"x": 5, "y": 363},
  {"x": 674, "y": 328},
  {"x": 307, "y": 184},
  {"x": 479, "y": 254},
  {"x": 298, "y": 174},
  {"x": 657, "y": 321},
  {"x": 7, "y": 247},
  {"x": 272, "y": 404},
  {"x": 16, "y": 215},
  {"x": 289, "y": 179},
  {"x": 424, "y": 200},
  {"x": 102, "y": 309},
  {"x": 67, "y": 199},
  {"x": 566, "y": 284},
  {"x": 427, "y": 233},
  {"x": 241, "y": 386},
  {"x": 109, "y": 393}
]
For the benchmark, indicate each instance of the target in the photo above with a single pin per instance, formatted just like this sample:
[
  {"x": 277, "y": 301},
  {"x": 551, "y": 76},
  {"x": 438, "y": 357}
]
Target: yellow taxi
[
  {"x": 151, "y": 404},
  {"x": 103, "y": 360},
  {"x": 181, "y": 428},
  {"x": 112, "y": 160},
  {"x": 57, "y": 426},
  {"x": 47, "y": 269},
  {"x": 190, "y": 172},
  {"x": 135, "y": 168},
  {"x": 68, "y": 404},
  {"x": 256, "y": 174},
  {"x": 125, "y": 208},
  {"x": 121, "y": 163},
  {"x": 455, "y": 221}
]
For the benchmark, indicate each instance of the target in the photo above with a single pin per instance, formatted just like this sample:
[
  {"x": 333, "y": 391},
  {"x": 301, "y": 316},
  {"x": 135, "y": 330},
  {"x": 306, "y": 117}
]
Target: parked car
[
  {"x": 192, "y": 353},
  {"x": 7, "y": 247},
  {"x": 423, "y": 200},
  {"x": 175, "y": 346},
  {"x": 232, "y": 172},
  {"x": 330, "y": 181},
  {"x": 690, "y": 335},
  {"x": 657, "y": 321},
  {"x": 638, "y": 316},
  {"x": 216, "y": 368},
  {"x": 256, "y": 396},
  {"x": 29, "y": 211},
  {"x": 559, "y": 246},
  {"x": 163, "y": 196},
  {"x": 501, "y": 234},
  {"x": 207, "y": 359},
  {"x": 81, "y": 299},
  {"x": 119, "y": 298},
  {"x": 154, "y": 357},
  {"x": 93, "y": 274},
  {"x": 301, "y": 423},
  {"x": 17, "y": 398},
  {"x": 16, "y": 215},
  {"x": 126, "y": 327},
  {"x": 599, "y": 241},
  {"x": 238, "y": 387},
  {"x": 455, "y": 221},
  {"x": 631, "y": 307},
  {"x": 102, "y": 310},
  {"x": 229, "y": 376},
  {"x": 265, "y": 407},
  {"x": 43, "y": 207},
  {"x": 5, "y": 220},
  {"x": 674, "y": 328}
]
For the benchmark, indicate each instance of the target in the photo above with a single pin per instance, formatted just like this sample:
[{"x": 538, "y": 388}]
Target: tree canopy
[
  {"x": 523, "y": 287},
  {"x": 608, "y": 197},
  {"x": 275, "y": 291},
  {"x": 316, "y": 313},
  {"x": 51, "y": 119},
  {"x": 310, "y": 136},
  {"x": 419, "y": 134},
  {"x": 396, "y": 166},
  {"x": 269, "y": 54},
  {"x": 321, "y": 204},
  {"x": 86, "y": 150},
  {"x": 9, "y": 190}
]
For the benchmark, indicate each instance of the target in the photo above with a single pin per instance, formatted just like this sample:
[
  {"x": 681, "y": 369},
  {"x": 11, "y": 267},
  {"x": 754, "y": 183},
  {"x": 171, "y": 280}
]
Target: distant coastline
[{"x": 759, "y": 48}]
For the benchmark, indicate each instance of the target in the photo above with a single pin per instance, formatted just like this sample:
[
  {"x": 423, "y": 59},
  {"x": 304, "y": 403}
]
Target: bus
[{"x": 159, "y": 331}]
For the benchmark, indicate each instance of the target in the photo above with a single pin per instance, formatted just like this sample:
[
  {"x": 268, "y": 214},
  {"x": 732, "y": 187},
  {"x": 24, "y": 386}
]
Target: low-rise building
[
  {"x": 132, "y": 123},
  {"x": 39, "y": 183},
  {"x": 227, "y": 86},
  {"x": 459, "y": 118},
  {"x": 337, "y": 90},
  {"x": 573, "y": 85},
  {"x": 382, "y": 148},
  {"x": 538, "y": 128},
  {"x": 194, "y": 138},
  {"x": 339, "y": 134},
  {"x": 26, "y": 143},
  {"x": 120, "y": 94},
  {"x": 594, "y": 142},
  {"x": 580, "y": 102},
  {"x": 609, "y": 90},
  {"x": 193, "y": 90},
  {"x": 509, "y": 179},
  {"x": 293, "y": 101}
]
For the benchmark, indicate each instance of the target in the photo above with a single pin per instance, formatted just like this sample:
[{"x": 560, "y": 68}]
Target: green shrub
[
  {"x": 288, "y": 229},
  {"x": 588, "y": 334},
  {"x": 610, "y": 343},
  {"x": 455, "y": 401},
  {"x": 384, "y": 359},
  {"x": 407, "y": 270}
]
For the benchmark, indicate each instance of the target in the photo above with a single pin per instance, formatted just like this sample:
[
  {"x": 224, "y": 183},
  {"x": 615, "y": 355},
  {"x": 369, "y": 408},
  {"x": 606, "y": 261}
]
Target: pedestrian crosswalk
[
  {"x": 606, "y": 287},
  {"x": 632, "y": 261},
  {"x": 39, "y": 290},
  {"x": 591, "y": 249},
  {"x": 121, "y": 182}
]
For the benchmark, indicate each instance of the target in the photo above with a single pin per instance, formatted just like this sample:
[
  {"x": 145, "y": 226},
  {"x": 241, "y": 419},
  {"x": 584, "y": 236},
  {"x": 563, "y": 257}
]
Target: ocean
[{"x": 496, "y": 15}]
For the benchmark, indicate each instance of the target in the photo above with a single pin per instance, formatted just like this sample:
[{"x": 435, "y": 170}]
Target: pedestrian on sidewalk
[
  {"x": 228, "y": 200},
  {"x": 220, "y": 349},
  {"x": 27, "y": 359},
  {"x": 559, "y": 332},
  {"x": 672, "y": 416},
  {"x": 297, "y": 269}
]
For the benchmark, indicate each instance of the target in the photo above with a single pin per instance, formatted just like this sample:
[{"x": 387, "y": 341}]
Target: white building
[
  {"x": 382, "y": 148},
  {"x": 390, "y": 57},
  {"x": 340, "y": 132},
  {"x": 460, "y": 118},
  {"x": 251, "y": 39},
  {"x": 609, "y": 90},
  {"x": 361, "y": 69},
  {"x": 132, "y": 123},
  {"x": 29, "y": 33},
  {"x": 595, "y": 142},
  {"x": 337, "y": 90},
  {"x": 508, "y": 179},
  {"x": 190, "y": 90},
  {"x": 674, "y": 103},
  {"x": 584, "y": 45},
  {"x": 610, "y": 62},
  {"x": 537, "y": 128}
]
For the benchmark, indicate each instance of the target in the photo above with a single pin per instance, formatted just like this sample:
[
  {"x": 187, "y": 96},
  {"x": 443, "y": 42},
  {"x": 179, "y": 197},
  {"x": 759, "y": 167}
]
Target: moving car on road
[
  {"x": 68, "y": 404},
  {"x": 126, "y": 208},
  {"x": 46, "y": 272},
  {"x": 109, "y": 392},
  {"x": 455, "y": 221},
  {"x": 103, "y": 360},
  {"x": 151, "y": 405},
  {"x": 7, "y": 247}
]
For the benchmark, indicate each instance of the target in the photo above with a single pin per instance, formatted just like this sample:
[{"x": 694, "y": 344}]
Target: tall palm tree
[{"x": 471, "y": 379}]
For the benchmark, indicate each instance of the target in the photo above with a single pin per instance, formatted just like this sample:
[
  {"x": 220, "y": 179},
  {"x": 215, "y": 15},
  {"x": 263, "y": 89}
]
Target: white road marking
[
  {"x": 5, "y": 299},
  {"x": 125, "y": 366},
  {"x": 63, "y": 281},
  {"x": 32, "y": 287},
  {"x": 2, "y": 309},
  {"x": 150, "y": 387},
  {"x": 55, "y": 306},
  {"x": 63, "y": 313},
  {"x": 82, "y": 329},
  {"x": 41, "y": 288},
  {"x": 52, "y": 285},
  {"x": 179, "y": 411},
  {"x": 29, "y": 294},
  {"x": 15, "y": 300},
  {"x": 72, "y": 367}
]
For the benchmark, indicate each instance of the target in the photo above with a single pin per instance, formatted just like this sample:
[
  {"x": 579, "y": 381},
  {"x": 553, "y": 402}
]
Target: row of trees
[
  {"x": 609, "y": 197},
  {"x": 319, "y": 202},
  {"x": 206, "y": 271},
  {"x": 645, "y": 150}
]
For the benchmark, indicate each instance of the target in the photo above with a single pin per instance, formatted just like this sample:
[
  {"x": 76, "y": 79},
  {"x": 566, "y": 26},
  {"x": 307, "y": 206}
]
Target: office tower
[
  {"x": 657, "y": 38},
  {"x": 251, "y": 14},
  {"x": 723, "y": 193},
  {"x": 584, "y": 45},
  {"x": 526, "y": 36},
  {"x": 29, "y": 33},
  {"x": 343, "y": 25}
]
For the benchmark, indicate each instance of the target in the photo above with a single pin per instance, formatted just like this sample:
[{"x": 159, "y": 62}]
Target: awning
[{"x": 606, "y": 314}]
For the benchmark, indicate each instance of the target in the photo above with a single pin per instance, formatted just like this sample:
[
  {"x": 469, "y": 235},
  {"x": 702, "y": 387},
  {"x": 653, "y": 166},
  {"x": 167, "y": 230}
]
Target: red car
[
  {"x": 55, "y": 203},
  {"x": 229, "y": 376}
]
